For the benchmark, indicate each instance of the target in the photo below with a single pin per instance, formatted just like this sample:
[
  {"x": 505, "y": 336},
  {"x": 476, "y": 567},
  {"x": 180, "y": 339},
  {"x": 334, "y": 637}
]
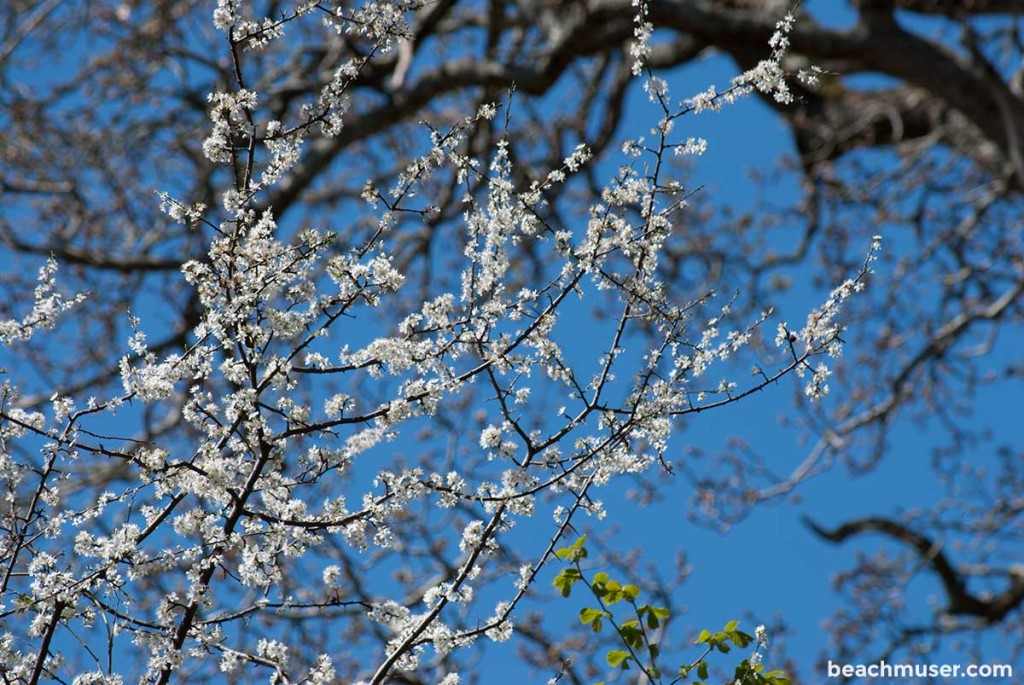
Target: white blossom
[
  {"x": 332, "y": 398},
  {"x": 47, "y": 307}
]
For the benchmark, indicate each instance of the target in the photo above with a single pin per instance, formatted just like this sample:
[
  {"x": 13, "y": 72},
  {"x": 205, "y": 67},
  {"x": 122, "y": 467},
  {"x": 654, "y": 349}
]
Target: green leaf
[
  {"x": 565, "y": 580},
  {"x": 704, "y": 636},
  {"x": 631, "y": 634},
  {"x": 631, "y": 592},
  {"x": 613, "y": 591},
  {"x": 611, "y": 596},
  {"x": 731, "y": 626},
  {"x": 654, "y": 615},
  {"x": 742, "y": 671},
  {"x": 702, "y": 670},
  {"x": 741, "y": 639},
  {"x": 617, "y": 657},
  {"x": 593, "y": 617},
  {"x": 573, "y": 552}
]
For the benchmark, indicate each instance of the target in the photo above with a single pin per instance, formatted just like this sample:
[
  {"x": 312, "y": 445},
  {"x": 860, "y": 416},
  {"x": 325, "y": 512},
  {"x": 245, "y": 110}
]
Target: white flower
[
  {"x": 502, "y": 631},
  {"x": 274, "y": 651},
  {"x": 331, "y": 574},
  {"x": 490, "y": 437},
  {"x": 48, "y": 306}
]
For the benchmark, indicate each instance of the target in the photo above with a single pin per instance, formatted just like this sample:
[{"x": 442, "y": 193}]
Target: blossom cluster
[{"x": 286, "y": 489}]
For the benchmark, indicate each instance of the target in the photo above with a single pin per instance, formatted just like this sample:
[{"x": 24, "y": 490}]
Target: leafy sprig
[{"x": 638, "y": 628}]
